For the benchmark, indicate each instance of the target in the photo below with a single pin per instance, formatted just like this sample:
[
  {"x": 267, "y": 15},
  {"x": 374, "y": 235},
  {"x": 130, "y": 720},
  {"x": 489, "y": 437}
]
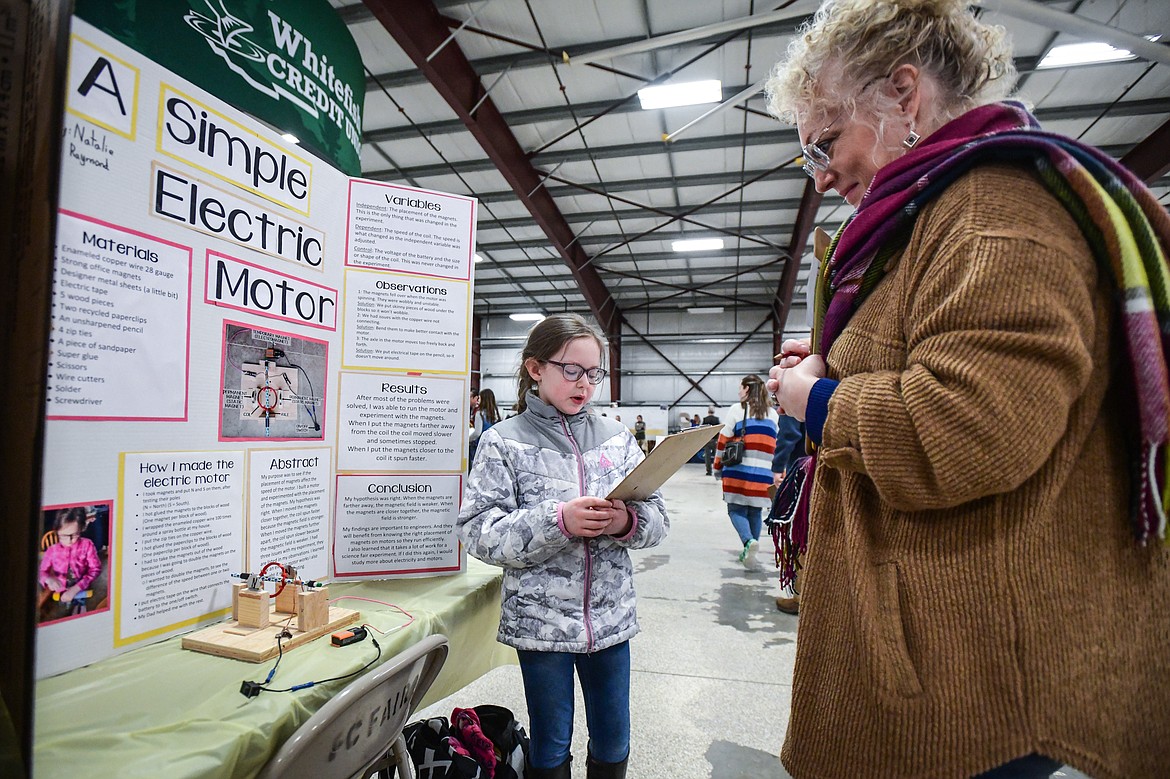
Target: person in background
[
  {"x": 640, "y": 432},
  {"x": 695, "y": 421},
  {"x": 987, "y": 581},
  {"x": 745, "y": 484},
  {"x": 487, "y": 415},
  {"x": 709, "y": 449},
  {"x": 473, "y": 407},
  {"x": 789, "y": 446},
  {"x": 71, "y": 564},
  {"x": 684, "y": 420},
  {"x": 533, "y": 505}
]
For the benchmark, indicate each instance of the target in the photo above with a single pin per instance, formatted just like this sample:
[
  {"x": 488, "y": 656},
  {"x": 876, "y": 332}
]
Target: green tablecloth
[{"x": 161, "y": 711}]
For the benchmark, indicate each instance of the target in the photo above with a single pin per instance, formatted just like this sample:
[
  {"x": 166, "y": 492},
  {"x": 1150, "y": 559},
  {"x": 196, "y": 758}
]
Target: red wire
[{"x": 283, "y": 576}]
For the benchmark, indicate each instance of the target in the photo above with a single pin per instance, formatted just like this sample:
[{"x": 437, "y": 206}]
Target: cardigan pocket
[{"x": 895, "y": 671}]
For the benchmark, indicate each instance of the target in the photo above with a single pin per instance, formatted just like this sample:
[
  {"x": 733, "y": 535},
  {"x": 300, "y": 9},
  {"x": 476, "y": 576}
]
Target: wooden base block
[
  {"x": 253, "y": 608},
  {"x": 286, "y": 601},
  {"x": 312, "y": 608},
  {"x": 230, "y": 639},
  {"x": 237, "y": 587}
]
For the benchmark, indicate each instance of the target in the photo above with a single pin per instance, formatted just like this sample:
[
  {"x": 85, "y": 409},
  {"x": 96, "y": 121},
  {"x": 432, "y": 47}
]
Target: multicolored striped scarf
[{"x": 1127, "y": 231}]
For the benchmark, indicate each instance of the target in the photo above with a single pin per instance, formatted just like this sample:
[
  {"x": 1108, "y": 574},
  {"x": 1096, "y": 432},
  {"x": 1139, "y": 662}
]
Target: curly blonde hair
[{"x": 850, "y": 44}]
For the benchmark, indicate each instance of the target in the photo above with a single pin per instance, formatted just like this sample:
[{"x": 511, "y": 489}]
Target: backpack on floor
[{"x": 485, "y": 742}]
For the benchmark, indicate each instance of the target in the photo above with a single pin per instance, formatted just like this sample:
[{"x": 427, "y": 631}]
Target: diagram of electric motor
[{"x": 273, "y": 385}]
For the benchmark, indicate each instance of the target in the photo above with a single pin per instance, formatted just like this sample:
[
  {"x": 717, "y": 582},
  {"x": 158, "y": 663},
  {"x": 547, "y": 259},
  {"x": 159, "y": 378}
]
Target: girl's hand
[
  {"x": 54, "y": 584},
  {"x": 69, "y": 594},
  {"x": 620, "y": 522},
  {"x": 587, "y": 516}
]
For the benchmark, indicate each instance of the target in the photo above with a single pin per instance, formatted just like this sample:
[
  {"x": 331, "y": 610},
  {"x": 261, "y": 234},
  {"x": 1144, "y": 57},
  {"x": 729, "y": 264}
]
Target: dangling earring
[{"x": 912, "y": 139}]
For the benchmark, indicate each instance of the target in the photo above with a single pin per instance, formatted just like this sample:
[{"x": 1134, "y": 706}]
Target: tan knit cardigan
[{"x": 973, "y": 592}]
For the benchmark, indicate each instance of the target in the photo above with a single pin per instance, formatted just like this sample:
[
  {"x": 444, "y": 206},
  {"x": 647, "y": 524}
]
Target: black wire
[
  {"x": 279, "y": 652},
  {"x": 312, "y": 395},
  {"x": 306, "y": 685}
]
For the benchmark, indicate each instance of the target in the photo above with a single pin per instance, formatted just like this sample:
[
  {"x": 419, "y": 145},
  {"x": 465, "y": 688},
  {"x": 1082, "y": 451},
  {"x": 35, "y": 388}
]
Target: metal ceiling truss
[
  {"x": 425, "y": 34},
  {"x": 1150, "y": 159},
  {"x": 419, "y": 31},
  {"x": 722, "y": 360},
  {"x": 782, "y": 303}
]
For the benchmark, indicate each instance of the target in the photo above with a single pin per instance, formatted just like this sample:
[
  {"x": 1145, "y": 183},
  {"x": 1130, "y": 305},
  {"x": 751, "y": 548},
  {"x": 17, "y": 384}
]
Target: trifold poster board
[{"x": 254, "y": 358}]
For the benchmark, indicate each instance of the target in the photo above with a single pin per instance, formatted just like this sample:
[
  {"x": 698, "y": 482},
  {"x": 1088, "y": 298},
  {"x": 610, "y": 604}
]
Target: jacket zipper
[{"x": 585, "y": 541}]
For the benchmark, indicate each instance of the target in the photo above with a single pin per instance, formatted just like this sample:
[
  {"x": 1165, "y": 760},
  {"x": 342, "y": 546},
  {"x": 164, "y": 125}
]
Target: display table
[{"x": 164, "y": 711}]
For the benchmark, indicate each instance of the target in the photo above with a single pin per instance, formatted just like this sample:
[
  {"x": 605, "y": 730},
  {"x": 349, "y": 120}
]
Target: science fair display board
[{"x": 254, "y": 358}]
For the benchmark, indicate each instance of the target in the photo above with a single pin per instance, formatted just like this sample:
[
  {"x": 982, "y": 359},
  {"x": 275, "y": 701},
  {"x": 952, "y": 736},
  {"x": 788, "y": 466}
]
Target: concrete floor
[{"x": 712, "y": 667}]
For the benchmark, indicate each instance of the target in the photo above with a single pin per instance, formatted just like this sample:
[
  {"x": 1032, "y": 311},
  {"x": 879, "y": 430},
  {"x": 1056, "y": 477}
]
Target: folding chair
[{"x": 359, "y": 732}]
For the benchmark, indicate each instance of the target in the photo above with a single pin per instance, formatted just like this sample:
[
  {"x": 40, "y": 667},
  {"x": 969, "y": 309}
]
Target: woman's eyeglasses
[
  {"x": 572, "y": 371},
  {"x": 816, "y": 152}
]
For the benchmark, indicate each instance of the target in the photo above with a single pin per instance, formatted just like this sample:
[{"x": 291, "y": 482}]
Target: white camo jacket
[{"x": 560, "y": 593}]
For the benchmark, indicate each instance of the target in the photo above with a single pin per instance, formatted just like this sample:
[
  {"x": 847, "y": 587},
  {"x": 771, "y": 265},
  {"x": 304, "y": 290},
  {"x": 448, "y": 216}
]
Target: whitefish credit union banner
[{"x": 291, "y": 63}]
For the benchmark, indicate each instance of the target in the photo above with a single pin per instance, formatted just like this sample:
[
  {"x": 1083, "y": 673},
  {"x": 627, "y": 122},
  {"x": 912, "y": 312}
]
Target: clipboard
[{"x": 670, "y": 454}]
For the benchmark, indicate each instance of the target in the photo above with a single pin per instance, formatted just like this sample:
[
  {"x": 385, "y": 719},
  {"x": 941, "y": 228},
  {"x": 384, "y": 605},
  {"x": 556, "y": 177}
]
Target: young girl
[
  {"x": 534, "y": 504},
  {"x": 70, "y": 565},
  {"x": 745, "y": 484},
  {"x": 486, "y": 415}
]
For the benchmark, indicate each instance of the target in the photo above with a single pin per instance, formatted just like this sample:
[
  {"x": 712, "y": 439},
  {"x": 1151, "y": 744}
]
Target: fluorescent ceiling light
[
  {"x": 526, "y": 317},
  {"x": 688, "y": 93},
  {"x": 478, "y": 258},
  {"x": 1072, "y": 54},
  {"x": 697, "y": 245},
  {"x": 705, "y": 310},
  {"x": 290, "y": 137}
]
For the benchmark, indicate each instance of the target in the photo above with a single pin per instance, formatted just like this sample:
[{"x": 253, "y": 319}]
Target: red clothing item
[{"x": 74, "y": 565}]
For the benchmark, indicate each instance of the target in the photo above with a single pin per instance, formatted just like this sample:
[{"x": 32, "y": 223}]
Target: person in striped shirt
[{"x": 745, "y": 484}]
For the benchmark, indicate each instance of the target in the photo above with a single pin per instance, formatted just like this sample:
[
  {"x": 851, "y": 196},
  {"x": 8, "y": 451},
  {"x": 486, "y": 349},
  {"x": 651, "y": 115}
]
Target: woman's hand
[
  {"x": 791, "y": 384},
  {"x": 587, "y": 516},
  {"x": 792, "y": 352}
]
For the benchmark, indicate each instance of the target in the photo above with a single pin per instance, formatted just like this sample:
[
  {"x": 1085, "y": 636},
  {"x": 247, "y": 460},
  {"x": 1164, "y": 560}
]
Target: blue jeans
[
  {"x": 1033, "y": 766},
  {"x": 548, "y": 688},
  {"x": 747, "y": 521}
]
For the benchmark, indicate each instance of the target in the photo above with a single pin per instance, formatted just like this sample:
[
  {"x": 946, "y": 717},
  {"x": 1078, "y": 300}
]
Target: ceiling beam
[
  {"x": 671, "y": 259},
  {"x": 1150, "y": 159},
  {"x": 419, "y": 30},
  {"x": 588, "y": 217},
  {"x": 782, "y": 303},
  {"x": 554, "y": 113},
  {"x": 791, "y": 173},
  {"x": 561, "y": 113},
  {"x": 537, "y": 57},
  {"x": 559, "y": 155}
]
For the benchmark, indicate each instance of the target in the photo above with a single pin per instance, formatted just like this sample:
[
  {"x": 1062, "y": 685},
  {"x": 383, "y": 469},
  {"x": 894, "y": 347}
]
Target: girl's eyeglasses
[{"x": 572, "y": 371}]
